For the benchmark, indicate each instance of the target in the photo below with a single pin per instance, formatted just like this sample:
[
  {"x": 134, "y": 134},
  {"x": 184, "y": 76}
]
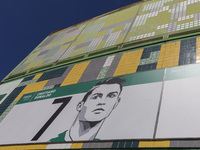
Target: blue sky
[{"x": 25, "y": 23}]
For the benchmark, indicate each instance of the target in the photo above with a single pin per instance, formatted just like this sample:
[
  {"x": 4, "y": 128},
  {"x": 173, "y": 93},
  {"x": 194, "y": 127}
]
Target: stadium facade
[{"x": 129, "y": 78}]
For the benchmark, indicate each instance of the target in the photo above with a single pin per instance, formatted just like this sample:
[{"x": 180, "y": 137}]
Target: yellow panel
[
  {"x": 101, "y": 44},
  {"x": 176, "y": 53},
  {"x": 120, "y": 38},
  {"x": 73, "y": 145},
  {"x": 119, "y": 28},
  {"x": 79, "y": 145},
  {"x": 4, "y": 147},
  {"x": 19, "y": 147},
  {"x": 160, "y": 144},
  {"x": 169, "y": 55},
  {"x": 128, "y": 63},
  {"x": 35, "y": 87},
  {"x": 72, "y": 37},
  {"x": 33, "y": 147},
  {"x": 145, "y": 144},
  {"x": 100, "y": 34},
  {"x": 37, "y": 76},
  {"x": 35, "y": 64},
  {"x": 64, "y": 46},
  {"x": 198, "y": 49},
  {"x": 165, "y": 144},
  {"x": 24, "y": 147},
  {"x": 28, "y": 147},
  {"x": 10, "y": 147},
  {"x": 75, "y": 74},
  {"x": 77, "y": 51},
  {"x": 149, "y": 143},
  {"x": 56, "y": 43}
]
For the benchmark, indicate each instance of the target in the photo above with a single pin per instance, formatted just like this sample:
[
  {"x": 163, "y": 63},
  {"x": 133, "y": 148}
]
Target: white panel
[
  {"x": 135, "y": 115},
  {"x": 180, "y": 109}
]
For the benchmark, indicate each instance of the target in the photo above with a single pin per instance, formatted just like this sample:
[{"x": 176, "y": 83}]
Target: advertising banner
[{"x": 123, "y": 107}]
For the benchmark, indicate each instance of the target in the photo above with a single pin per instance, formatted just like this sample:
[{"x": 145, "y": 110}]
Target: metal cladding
[{"x": 156, "y": 18}]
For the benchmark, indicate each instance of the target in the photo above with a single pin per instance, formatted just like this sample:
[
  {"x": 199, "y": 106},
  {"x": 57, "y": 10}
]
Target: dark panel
[
  {"x": 2, "y": 96},
  {"x": 28, "y": 78},
  {"x": 4, "y": 105},
  {"x": 115, "y": 144},
  {"x": 59, "y": 80},
  {"x": 135, "y": 144},
  {"x": 147, "y": 51},
  {"x": 187, "y": 53},
  {"x": 121, "y": 145},
  {"x": 147, "y": 67},
  {"x": 52, "y": 74}
]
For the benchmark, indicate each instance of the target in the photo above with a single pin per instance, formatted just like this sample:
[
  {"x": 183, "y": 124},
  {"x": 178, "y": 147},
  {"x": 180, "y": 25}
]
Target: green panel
[
  {"x": 131, "y": 79},
  {"x": 187, "y": 71}
]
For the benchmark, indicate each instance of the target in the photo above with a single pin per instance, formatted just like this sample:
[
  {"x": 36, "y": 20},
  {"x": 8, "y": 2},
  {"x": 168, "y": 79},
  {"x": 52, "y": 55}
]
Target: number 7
[{"x": 64, "y": 102}]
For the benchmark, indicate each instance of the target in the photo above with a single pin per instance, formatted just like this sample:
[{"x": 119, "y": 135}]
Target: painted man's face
[{"x": 100, "y": 103}]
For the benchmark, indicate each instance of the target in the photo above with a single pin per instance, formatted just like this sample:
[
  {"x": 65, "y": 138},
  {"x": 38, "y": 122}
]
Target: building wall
[
  {"x": 159, "y": 102},
  {"x": 156, "y": 99}
]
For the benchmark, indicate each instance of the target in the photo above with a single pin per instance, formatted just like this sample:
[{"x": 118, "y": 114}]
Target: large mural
[
  {"x": 96, "y": 110},
  {"x": 133, "y": 107}
]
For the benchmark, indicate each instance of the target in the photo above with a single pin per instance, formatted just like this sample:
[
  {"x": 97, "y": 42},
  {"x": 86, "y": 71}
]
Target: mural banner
[{"x": 123, "y": 107}]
